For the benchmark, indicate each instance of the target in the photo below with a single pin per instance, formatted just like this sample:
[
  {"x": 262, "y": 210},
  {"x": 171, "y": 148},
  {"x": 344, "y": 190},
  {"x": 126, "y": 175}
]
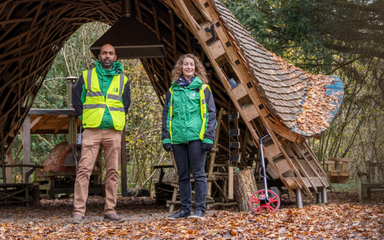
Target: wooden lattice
[{"x": 268, "y": 96}]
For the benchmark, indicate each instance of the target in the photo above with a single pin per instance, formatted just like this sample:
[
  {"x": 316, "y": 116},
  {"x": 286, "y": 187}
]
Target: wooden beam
[
  {"x": 174, "y": 44},
  {"x": 8, "y": 159},
  {"x": 26, "y": 140},
  {"x": 124, "y": 181}
]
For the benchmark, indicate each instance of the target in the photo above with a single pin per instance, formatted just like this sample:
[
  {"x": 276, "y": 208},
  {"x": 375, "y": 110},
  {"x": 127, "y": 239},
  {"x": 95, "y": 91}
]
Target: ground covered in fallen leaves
[{"x": 342, "y": 218}]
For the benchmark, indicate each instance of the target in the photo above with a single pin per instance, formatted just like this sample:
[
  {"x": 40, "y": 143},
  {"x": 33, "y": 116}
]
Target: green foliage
[
  {"x": 73, "y": 58},
  {"x": 345, "y": 187},
  {"x": 287, "y": 29},
  {"x": 144, "y": 145},
  {"x": 144, "y": 148},
  {"x": 341, "y": 38}
]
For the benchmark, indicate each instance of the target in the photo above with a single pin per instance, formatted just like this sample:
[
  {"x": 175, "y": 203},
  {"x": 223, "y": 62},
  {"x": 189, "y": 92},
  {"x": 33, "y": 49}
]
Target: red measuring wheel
[{"x": 260, "y": 200}]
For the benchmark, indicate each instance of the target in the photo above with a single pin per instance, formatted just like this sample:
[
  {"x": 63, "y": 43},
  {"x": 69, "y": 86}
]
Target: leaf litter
[{"x": 342, "y": 218}]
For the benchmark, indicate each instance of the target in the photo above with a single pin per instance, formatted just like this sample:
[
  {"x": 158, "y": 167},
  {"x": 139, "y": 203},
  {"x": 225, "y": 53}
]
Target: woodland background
[{"x": 343, "y": 38}]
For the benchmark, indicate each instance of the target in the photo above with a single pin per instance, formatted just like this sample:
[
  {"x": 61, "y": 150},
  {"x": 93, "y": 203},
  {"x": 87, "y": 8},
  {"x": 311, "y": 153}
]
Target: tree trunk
[{"x": 245, "y": 186}]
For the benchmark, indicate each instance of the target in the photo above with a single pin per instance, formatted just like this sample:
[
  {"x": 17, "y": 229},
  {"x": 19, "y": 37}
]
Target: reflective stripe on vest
[
  {"x": 170, "y": 114},
  {"x": 203, "y": 110},
  {"x": 95, "y": 103}
]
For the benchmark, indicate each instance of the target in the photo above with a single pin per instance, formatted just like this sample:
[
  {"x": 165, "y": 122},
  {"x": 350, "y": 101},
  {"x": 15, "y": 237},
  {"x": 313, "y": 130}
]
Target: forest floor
[{"x": 342, "y": 218}]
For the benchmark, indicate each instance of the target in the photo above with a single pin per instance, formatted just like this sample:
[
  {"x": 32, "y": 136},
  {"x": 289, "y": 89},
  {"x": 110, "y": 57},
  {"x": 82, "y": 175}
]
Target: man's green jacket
[{"x": 105, "y": 77}]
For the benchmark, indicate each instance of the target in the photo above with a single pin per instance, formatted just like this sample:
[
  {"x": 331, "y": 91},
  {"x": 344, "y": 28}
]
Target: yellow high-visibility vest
[{"x": 95, "y": 103}]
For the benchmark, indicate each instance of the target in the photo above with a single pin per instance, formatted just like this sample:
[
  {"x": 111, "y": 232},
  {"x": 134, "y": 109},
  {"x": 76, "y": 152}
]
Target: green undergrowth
[{"x": 345, "y": 187}]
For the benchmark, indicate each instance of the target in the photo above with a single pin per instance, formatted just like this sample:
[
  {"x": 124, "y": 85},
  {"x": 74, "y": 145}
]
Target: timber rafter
[{"x": 268, "y": 96}]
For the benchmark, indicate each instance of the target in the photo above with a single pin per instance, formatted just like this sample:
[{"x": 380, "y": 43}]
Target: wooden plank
[
  {"x": 293, "y": 184},
  {"x": 316, "y": 181},
  {"x": 239, "y": 91},
  {"x": 61, "y": 124},
  {"x": 282, "y": 165},
  {"x": 306, "y": 166},
  {"x": 36, "y": 120},
  {"x": 173, "y": 27},
  {"x": 123, "y": 162},
  {"x": 205, "y": 36},
  {"x": 213, "y": 154},
  {"x": 272, "y": 149},
  {"x": 340, "y": 173},
  {"x": 26, "y": 139},
  {"x": 272, "y": 172},
  {"x": 250, "y": 112},
  {"x": 307, "y": 182},
  {"x": 195, "y": 13},
  {"x": 217, "y": 49},
  {"x": 240, "y": 69},
  {"x": 316, "y": 167},
  {"x": 8, "y": 159},
  {"x": 230, "y": 182}
]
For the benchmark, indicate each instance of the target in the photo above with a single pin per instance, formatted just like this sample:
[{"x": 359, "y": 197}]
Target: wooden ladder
[{"x": 290, "y": 158}]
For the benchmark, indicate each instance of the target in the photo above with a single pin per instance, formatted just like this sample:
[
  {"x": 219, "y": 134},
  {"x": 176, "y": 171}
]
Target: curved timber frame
[{"x": 32, "y": 33}]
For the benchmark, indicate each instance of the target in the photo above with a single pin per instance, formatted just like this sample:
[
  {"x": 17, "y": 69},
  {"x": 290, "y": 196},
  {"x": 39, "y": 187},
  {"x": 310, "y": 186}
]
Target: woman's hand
[
  {"x": 167, "y": 147},
  {"x": 207, "y": 147}
]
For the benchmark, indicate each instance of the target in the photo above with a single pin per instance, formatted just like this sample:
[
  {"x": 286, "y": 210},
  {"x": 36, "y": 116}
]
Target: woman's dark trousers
[{"x": 191, "y": 157}]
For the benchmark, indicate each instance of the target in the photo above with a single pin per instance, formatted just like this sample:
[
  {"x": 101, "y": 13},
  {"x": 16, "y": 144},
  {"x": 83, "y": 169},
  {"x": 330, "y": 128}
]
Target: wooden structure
[
  {"x": 19, "y": 193},
  {"x": 337, "y": 169},
  {"x": 271, "y": 96},
  {"x": 58, "y": 177},
  {"x": 371, "y": 180}
]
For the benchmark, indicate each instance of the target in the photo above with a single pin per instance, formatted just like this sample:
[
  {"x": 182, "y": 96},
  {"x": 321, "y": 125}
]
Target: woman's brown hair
[{"x": 199, "y": 68}]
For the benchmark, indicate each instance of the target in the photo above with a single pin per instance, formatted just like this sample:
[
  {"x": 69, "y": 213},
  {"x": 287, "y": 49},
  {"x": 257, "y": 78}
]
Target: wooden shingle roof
[
  {"x": 32, "y": 33},
  {"x": 284, "y": 86},
  {"x": 272, "y": 97}
]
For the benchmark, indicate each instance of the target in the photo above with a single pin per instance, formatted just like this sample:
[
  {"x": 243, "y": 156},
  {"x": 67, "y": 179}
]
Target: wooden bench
[
  {"x": 53, "y": 184},
  {"x": 33, "y": 168},
  {"x": 372, "y": 180},
  {"x": 163, "y": 190},
  {"x": 337, "y": 169},
  {"x": 20, "y": 193}
]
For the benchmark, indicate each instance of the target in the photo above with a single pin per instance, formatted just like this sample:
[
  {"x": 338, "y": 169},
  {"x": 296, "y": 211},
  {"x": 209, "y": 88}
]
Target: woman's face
[{"x": 188, "y": 68}]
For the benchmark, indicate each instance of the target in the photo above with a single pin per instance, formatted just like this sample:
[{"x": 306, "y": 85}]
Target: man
[{"x": 101, "y": 99}]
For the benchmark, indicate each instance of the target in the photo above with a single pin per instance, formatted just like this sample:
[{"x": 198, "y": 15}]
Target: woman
[{"x": 189, "y": 121}]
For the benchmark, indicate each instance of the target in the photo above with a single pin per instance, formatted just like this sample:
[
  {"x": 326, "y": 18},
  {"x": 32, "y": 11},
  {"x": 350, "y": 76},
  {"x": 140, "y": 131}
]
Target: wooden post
[
  {"x": 8, "y": 159},
  {"x": 214, "y": 152},
  {"x": 230, "y": 182},
  {"x": 359, "y": 182},
  {"x": 124, "y": 186},
  {"x": 174, "y": 165},
  {"x": 2, "y": 159},
  {"x": 72, "y": 131},
  {"x": 175, "y": 188},
  {"x": 26, "y": 140},
  {"x": 245, "y": 186}
]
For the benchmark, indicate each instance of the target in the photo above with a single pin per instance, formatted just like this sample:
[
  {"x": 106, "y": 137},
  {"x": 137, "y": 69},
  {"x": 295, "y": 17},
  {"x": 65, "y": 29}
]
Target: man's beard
[{"x": 107, "y": 65}]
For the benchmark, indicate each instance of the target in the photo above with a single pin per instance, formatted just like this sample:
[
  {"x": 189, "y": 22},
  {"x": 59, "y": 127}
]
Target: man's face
[{"x": 107, "y": 56}]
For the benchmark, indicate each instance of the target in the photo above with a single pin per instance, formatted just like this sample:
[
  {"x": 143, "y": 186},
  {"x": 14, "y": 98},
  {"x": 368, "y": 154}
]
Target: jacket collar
[{"x": 195, "y": 84}]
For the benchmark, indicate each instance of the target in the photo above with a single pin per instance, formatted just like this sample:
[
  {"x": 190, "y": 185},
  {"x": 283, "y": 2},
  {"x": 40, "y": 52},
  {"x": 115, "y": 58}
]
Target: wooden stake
[{"x": 230, "y": 183}]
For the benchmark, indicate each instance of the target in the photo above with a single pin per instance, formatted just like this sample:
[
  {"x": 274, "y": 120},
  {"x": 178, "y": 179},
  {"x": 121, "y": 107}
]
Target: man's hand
[{"x": 167, "y": 147}]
